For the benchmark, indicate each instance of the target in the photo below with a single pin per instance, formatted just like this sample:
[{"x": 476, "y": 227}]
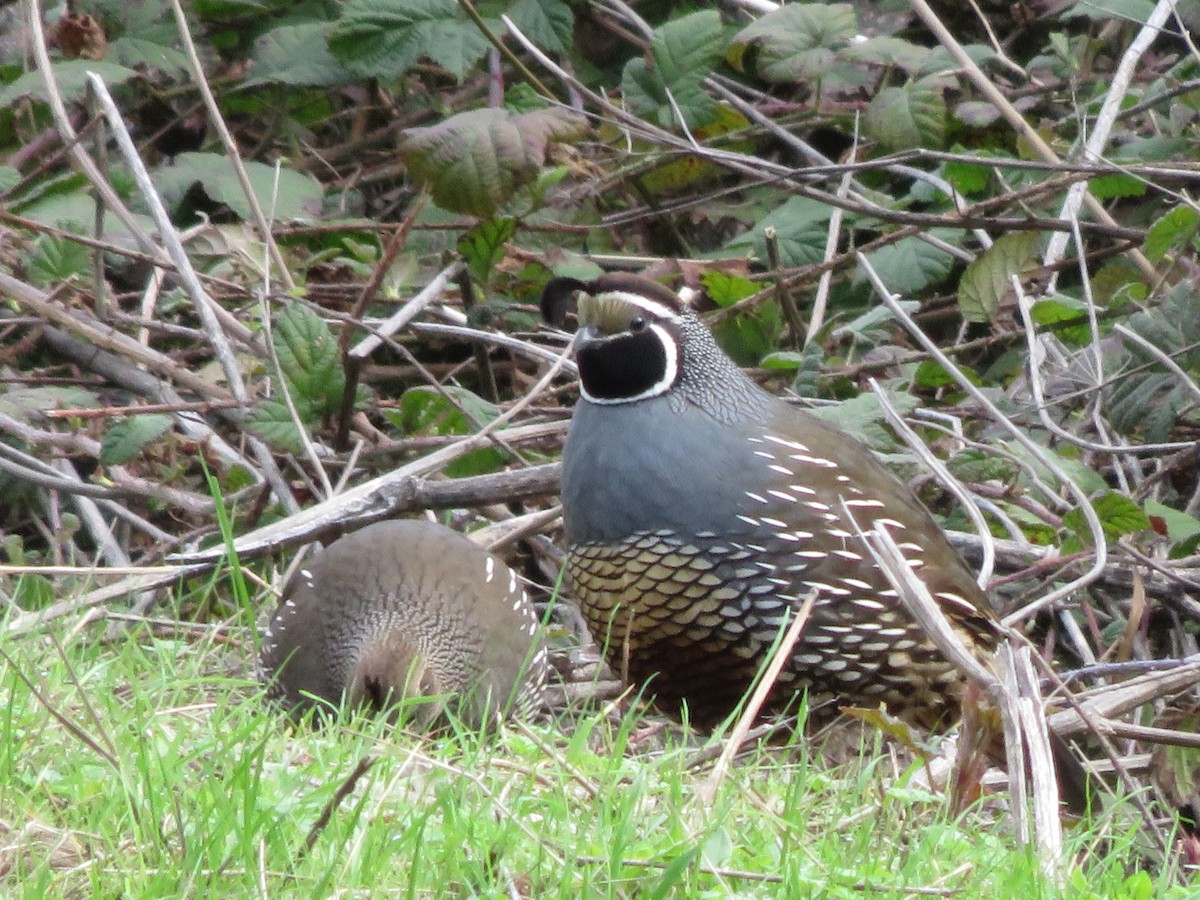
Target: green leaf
[
  {"x": 1110, "y": 187},
  {"x": 272, "y": 421},
  {"x": 682, "y": 52},
  {"x": 28, "y": 404},
  {"x": 56, "y": 260},
  {"x": 9, "y": 178},
  {"x": 1056, "y": 311},
  {"x": 1118, "y": 516},
  {"x": 425, "y": 410},
  {"x": 801, "y": 226},
  {"x": 725, "y": 289},
  {"x": 483, "y": 246},
  {"x": 71, "y": 77},
  {"x": 1174, "y": 229},
  {"x": 797, "y": 42},
  {"x": 885, "y": 50},
  {"x": 911, "y": 265},
  {"x": 308, "y": 359},
  {"x": 1179, "y": 525},
  {"x": 875, "y": 324},
  {"x": 548, "y": 23},
  {"x": 150, "y": 48},
  {"x": 863, "y": 418},
  {"x": 908, "y": 117},
  {"x": 298, "y": 55},
  {"x": 1106, "y": 10},
  {"x": 969, "y": 179},
  {"x": 475, "y": 162},
  {"x": 284, "y": 196},
  {"x": 930, "y": 375},
  {"x": 125, "y": 439},
  {"x": 986, "y": 283},
  {"x": 386, "y": 38}
]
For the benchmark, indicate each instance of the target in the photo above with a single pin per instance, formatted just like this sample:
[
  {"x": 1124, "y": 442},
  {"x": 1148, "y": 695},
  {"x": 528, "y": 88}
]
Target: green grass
[{"x": 178, "y": 781}]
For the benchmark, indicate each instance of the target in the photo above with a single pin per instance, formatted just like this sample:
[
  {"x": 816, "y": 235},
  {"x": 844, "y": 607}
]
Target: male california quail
[
  {"x": 407, "y": 608},
  {"x": 699, "y": 509}
]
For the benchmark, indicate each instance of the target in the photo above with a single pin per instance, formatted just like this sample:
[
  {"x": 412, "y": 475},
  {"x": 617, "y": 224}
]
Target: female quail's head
[
  {"x": 407, "y": 609},
  {"x": 700, "y": 511}
]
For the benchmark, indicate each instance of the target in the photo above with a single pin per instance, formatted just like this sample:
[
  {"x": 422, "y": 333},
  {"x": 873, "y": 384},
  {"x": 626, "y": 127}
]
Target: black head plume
[{"x": 557, "y": 297}]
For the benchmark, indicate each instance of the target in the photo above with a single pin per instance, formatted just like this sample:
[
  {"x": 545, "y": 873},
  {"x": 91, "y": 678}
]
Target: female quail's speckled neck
[
  {"x": 700, "y": 510},
  {"x": 401, "y": 609}
]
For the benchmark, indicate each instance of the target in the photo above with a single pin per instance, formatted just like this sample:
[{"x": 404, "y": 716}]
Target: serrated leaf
[
  {"x": 930, "y": 375},
  {"x": 150, "y": 48},
  {"x": 885, "y": 50},
  {"x": 474, "y": 162},
  {"x": 1180, "y": 526},
  {"x": 1174, "y": 229},
  {"x": 548, "y": 23},
  {"x": 298, "y": 55},
  {"x": 725, "y": 289},
  {"x": 9, "y": 178},
  {"x": 308, "y": 359},
  {"x": 1118, "y": 515},
  {"x": 797, "y": 42},
  {"x": 682, "y": 54},
  {"x": 483, "y": 246},
  {"x": 124, "y": 439},
  {"x": 1118, "y": 184},
  {"x": 272, "y": 421},
  {"x": 863, "y": 418},
  {"x": 55, "y": 260},
  {"x": 28, "y": 404},
  {"x": 286, "y": 196},
  {"x": 986, "y": 283},
  {"x": 908, "y": 117},
  {"x": 386, "y": 38},
  {"x": 874, "y": 324},
  {"x": 968, "y": 178},
  {"x": 911, "y": 265},
  {"x": 801, "y": 227},
  {"x": 70, "y": 76},
  {"x": 452, "y": 410},
  {"x": 1055, "y": 311},
  {"x": 1106, "y": 10}
]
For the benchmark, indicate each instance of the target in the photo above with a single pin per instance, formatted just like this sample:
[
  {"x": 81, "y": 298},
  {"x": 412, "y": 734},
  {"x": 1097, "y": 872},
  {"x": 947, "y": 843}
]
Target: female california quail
[
  {"x": 699, "y": 509},
  {"x": 407, "y": 608}
]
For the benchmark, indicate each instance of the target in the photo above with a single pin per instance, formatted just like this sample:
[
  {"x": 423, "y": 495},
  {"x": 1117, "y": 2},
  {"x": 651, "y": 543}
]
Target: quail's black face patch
[{"x": 624, "y": 367}]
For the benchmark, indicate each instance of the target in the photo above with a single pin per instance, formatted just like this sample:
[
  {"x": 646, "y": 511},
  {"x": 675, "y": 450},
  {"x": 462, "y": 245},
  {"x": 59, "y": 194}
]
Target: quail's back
[
  {"x": 700, "y": 511},
  {"x": 401, "y": 609}
]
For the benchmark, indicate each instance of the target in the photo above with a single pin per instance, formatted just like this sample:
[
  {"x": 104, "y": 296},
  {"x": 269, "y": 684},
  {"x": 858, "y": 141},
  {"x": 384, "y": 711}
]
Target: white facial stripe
[
  {"x": 653, "y": 307},
  {"x": 670, "y": 368}
]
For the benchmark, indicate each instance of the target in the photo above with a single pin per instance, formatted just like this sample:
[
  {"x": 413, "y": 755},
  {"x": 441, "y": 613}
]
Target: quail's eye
[{"x": 637, "y": 323}]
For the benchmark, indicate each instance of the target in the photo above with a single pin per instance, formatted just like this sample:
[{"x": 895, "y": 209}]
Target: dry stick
[
  {"x": 945, "y": 478},
  {"x": 1037, "y": 452},
  {"x": 339, "y": 795},
  {"x": 218, "y": 122},
  {"x": 1114, "y": 96},
  {"x": 825, "y": 282},
  {"x": 401, "y": 490},
  {"x": 1014, "y": 118},
  {"x": 37, "y": 42},
  {"x": 203, "y": 304},
  {"x": 92, "y": 520},
  {"x": 1037, "y": 355},
  {"x": 783, "y": 296},
  {"x": 99, "y": 334},
  {"x": 707, "y": 792},
  {"x": 1177, "y": 370},
  {"x": 919, "y": 602}
]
